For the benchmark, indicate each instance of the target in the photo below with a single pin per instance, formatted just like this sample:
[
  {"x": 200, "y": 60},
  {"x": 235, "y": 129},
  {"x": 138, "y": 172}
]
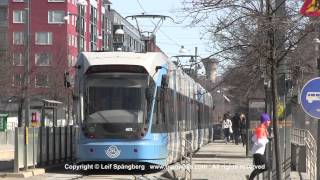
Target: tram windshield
[{"x": 115, "y": 104}]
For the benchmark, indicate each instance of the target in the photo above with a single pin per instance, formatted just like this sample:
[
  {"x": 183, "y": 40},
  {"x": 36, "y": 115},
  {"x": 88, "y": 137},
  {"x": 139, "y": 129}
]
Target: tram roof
[{"x": 148, "y": 60}]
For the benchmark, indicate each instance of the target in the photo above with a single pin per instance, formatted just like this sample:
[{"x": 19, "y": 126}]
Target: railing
[
  {"x": 186, "y": 151},
  {"x": 298, "y": 136},
  {"x": 186, "y": 157},
  {"x": 303, "y": 137},
  {"x": 311, "y": 152},
  {"x": 45, "y": 146}
]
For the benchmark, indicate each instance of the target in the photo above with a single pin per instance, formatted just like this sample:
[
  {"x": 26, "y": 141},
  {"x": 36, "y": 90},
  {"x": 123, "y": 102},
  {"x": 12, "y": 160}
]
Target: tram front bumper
[{"x": 120, "y": 151}]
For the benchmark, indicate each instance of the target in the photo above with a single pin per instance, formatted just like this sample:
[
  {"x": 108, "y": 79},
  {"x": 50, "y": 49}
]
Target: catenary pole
[{"x": 272, "y": 61}]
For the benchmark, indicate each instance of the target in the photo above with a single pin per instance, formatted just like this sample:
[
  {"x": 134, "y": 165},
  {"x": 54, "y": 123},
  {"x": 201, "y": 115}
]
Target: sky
[{"x": 171, "y": 36}]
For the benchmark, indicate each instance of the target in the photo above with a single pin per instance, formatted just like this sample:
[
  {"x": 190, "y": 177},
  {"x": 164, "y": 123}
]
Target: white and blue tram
[{"x": 134, "y": 107}]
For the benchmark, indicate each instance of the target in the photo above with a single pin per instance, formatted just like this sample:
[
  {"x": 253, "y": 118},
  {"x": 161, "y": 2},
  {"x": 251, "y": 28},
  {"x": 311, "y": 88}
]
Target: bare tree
[{"x": 252, "y": 38}]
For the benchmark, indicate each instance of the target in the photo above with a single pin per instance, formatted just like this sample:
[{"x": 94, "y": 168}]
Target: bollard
[
  {"x": 40, "y": 145},
  {"x": 54, "y": 145},
  {"x": 66, "y": 143},
  {"x": 16, "y": 151},
  {"x": 48, "y": 143},
  {"x": 71, "y": 143}
]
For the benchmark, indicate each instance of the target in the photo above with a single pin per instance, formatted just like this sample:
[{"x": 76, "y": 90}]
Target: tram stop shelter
[{"x": 48, "y": 111}]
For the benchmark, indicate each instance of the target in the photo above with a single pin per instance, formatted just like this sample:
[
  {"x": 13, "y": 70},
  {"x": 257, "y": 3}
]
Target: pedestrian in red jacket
[{"x": 260, "y": 139}]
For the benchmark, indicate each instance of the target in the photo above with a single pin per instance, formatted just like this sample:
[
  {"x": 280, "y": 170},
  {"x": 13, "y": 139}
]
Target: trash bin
[{"x": 3, "y": 122}]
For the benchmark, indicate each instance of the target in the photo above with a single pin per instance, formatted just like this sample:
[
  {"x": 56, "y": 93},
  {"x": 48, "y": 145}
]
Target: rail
[
  {"x": 303, "y": 137},
  {"x": 186, "y": 157},
  {"x": 186, "y": 151},
  {"x": 298, "y": 136},
  {"x": 311, "y": 152}
]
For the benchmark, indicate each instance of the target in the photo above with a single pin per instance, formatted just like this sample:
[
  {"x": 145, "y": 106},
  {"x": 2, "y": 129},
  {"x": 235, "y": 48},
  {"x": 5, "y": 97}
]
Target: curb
[{"x": 24, "y": 174}]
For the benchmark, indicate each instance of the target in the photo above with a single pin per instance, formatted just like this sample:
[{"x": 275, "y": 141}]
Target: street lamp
[
  {"x": 183, "y": 50},
  {"x": 82, "y": 3},
  {"x": 118, "y": 37},
  {"x": 100, "y": 38},
  {"x": 119, "y": 32}
]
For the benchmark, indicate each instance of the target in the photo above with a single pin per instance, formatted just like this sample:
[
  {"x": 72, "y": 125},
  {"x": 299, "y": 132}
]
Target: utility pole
[
  {"x": 272, "y": 61},
  {"x": 26, "y": 65},
  {"x": 26, "y": 79}
]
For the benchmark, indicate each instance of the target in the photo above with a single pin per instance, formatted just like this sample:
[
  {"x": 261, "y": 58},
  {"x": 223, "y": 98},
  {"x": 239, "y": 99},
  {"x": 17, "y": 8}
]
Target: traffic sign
[{"x": 310, "y": 98}]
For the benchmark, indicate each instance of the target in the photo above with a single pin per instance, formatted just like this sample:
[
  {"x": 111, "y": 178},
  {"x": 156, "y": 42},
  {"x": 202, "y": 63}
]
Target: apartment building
[
  {"x": 55, "y": 26},
  {"x": 126, "y": 37}
]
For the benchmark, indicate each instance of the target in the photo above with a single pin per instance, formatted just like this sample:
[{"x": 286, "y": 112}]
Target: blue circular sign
[{"x": 310, "y": 98}]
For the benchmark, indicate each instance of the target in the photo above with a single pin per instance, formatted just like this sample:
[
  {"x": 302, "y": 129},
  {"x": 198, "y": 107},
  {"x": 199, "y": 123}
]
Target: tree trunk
[{"x": 274, "y": 94}]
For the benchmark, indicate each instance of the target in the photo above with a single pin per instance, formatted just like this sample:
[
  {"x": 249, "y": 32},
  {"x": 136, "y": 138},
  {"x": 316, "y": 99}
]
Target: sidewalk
[
  {"x": 219, "y": 160},
  {"x": 6, "y": 152},
  {"x": 6, "y": 156}
]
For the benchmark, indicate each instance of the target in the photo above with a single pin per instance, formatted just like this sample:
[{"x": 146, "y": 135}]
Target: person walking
[
  {"x": 227, "y": 127},
  {"x": 243, "y": 129},
  {"x": 236, "y": 128},
  {"x": 260, "y": 139}
]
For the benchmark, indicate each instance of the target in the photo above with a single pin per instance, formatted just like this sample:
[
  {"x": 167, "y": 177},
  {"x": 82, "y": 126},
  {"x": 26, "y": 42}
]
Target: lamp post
[
  {"x": 119, "y": 37},
  {"x": 100, "y": 38},
  {"x": 25, "y": 95},
  {"x": 194, "y": 64},
  {"x": 317, "y": 54}
]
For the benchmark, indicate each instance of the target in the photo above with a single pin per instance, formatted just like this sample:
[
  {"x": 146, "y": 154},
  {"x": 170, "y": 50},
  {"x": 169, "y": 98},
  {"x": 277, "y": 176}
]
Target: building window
[
  {"x": 17, "y": 80},
  {"x": 56, "y": 17},
  {"x": 17, "y": 59},
  {"x": 19, "y": 16},
  {"x": 3, "y": 17},
  {"x": 93, "y": 28},
  {"x": 43, "y": 59},
  {"x": 18, "y": 38},
  {"x": 4, "y": 40},
  {"x": 71, "y": 60},
  {"x": 41, "y": 80},
  {"x": 43, "y": 38}
]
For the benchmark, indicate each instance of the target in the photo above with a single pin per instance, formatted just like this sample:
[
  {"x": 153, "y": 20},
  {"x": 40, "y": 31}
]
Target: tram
[{"x": 135, "y": 107}]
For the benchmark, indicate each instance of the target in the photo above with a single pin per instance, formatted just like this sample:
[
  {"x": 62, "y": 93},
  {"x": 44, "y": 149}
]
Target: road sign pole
[
  {"x": 318, "y": 134},
  {"x": 310, "y": 102}
]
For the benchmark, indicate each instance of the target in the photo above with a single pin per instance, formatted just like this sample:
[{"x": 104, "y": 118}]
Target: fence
[
  {"x": 303, "y": 137},
  {"x": 186, "y": 158},
  {"x": 311, "y": 152},
  {"x": 45, "y": 146},
  {"x": 298, "y": 136},
  {"x": 7, "y": 137}
]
